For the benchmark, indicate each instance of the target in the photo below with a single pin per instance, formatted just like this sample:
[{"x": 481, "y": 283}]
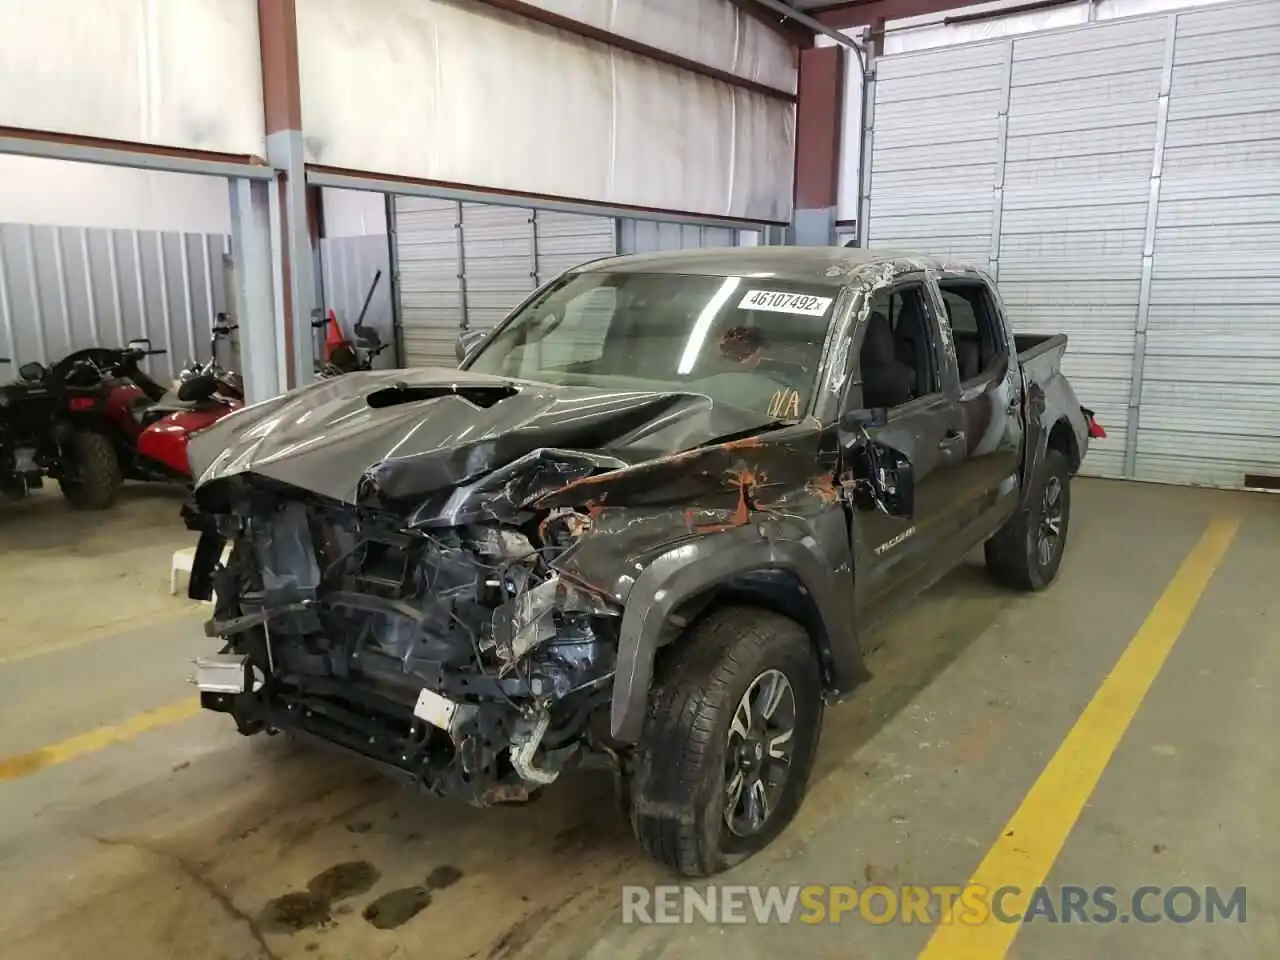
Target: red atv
[{"x": 127, "y": 426}]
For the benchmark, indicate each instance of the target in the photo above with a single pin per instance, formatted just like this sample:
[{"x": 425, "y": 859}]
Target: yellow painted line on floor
[
  {"x": 1034, "y": 836},
  {"x": 12, "y": 768}
]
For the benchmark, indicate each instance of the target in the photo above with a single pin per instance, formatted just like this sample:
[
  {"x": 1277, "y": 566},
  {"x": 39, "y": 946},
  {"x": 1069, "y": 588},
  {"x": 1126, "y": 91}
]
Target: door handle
[{"x": 952, "y": 442}]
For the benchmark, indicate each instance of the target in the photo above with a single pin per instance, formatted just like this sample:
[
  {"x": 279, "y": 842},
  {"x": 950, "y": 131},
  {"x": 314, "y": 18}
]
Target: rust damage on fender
[{"x": 824, "y": 488}]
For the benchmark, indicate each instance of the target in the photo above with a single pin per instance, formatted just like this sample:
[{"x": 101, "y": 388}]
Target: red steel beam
[
  {"x": 796, "y": 35},
  {"x": 278, "y": 46},
  {"x": 528, "y": 11},
  {"x": 864, "y": 12},
  {"x": 819, "y": 116}
]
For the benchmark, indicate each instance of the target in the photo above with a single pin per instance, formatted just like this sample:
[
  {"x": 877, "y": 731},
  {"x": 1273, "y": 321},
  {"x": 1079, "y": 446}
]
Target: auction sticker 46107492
[{"x": 778, "y": 302}]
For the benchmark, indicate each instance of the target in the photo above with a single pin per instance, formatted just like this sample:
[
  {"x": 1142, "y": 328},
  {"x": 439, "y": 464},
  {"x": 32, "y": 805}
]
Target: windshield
[{"x": 747, "y": 341}]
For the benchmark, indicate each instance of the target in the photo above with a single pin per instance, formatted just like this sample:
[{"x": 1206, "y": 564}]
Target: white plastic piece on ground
[{"x": 182, "y": 562}]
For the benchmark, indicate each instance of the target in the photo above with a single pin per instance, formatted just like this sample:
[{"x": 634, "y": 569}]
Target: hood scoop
[{"x": 480, "y": 396}]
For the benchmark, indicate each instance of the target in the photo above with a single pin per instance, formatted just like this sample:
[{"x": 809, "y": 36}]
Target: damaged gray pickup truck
[{"x": 646, "y": 523}]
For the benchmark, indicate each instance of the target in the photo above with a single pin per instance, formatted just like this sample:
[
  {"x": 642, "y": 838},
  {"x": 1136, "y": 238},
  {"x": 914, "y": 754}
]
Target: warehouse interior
[{"x": 238, "y": 185}]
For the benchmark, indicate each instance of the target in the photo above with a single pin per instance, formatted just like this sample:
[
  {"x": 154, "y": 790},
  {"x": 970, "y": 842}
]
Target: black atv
[
  {"x": 28, "y": 408},
  {"x": 39, "y": 438}
]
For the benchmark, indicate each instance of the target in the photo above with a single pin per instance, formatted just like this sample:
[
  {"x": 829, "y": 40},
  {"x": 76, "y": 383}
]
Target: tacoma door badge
[{"x": 896, "y": 541}]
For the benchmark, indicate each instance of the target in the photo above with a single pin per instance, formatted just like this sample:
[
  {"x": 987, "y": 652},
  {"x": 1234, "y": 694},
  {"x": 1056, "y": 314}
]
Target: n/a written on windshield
[{"x": 777, "y": 301}]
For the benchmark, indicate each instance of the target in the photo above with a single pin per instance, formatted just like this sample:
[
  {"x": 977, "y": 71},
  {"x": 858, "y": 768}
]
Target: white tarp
[
  {"x": 711, "y": 32},
  {"x": 182, "y": 73},
  {"x": 438, "y": 91}
]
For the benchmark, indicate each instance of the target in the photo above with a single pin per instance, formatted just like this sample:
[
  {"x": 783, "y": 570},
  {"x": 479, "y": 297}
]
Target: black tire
[
  {"x": 678, "y": 791},
  {"x": 96, "y": 475},
  {"x": 1016, "y": 555}
]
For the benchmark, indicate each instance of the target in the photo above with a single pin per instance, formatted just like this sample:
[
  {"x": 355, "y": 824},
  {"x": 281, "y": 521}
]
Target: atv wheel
[
  {"x": 1027, "y": 550},
  {"x": 97, "y": 476},
  {"x": 725, "y": 756}
]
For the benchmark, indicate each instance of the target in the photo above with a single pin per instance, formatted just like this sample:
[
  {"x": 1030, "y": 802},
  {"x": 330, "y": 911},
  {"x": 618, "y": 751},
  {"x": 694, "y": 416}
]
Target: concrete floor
[
  {"x": 145, "y": 842},
  {"x": 112, "y": 565}
]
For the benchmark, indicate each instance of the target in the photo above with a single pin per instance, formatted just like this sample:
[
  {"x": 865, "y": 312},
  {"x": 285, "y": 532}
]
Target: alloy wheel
[
  {"x": 759, "y": 755},
  {"x": 1051, "y": 515}
]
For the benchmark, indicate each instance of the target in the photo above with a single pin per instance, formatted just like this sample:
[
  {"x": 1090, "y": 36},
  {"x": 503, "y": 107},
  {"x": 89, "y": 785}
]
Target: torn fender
[{"x": 688, "y": 570}]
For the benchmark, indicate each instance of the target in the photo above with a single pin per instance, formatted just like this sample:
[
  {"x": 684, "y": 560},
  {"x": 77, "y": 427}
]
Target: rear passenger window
[
  {"x": 979, "y": 338},
  {"x": 960, "y": 313}
]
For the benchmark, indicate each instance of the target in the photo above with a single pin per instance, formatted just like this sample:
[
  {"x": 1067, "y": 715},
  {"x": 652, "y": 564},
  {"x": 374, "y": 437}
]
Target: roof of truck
[{"x": 832, "y": 266}]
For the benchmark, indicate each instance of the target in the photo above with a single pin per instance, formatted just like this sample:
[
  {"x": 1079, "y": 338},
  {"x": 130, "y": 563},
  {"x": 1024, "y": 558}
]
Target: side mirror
[
  {"x": 468, "y": 340},
  {"x": 893, "y": 483},
  {"x": 140, "y": 345},
  {"x": 33, "y": 371},
  {"x": 856, "y": 421}
]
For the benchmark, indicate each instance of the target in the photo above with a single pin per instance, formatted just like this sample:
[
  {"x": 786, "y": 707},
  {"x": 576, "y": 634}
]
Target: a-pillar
[
  {"x": 819, "y": 109},
  {"x": 282, "y": 106}
]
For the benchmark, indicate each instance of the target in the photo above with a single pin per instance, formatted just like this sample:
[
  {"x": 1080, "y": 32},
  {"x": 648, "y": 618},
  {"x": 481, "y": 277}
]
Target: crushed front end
[{"x": 456, "y": 655}]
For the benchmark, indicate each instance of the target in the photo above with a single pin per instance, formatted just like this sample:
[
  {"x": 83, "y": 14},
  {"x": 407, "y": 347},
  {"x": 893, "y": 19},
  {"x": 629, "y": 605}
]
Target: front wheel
[
  {"x": 1027, "y": 551},
  {"x": 729, "y": 742},
  {"x": 96, "y": 474}
]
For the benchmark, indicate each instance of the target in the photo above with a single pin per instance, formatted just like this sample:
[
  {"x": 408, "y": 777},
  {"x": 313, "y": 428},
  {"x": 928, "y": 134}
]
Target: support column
[
  {"x": 819, "y": 111},
  {"x": 282, "y": 106},
  {"x": 263, "y": 349}
]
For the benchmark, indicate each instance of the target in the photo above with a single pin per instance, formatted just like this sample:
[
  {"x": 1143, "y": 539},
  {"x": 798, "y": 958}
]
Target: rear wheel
[
  {"x": 1027, "y": 551},
  {"x": 96, "y": 476},
  {"x": 729, "y": 741}
]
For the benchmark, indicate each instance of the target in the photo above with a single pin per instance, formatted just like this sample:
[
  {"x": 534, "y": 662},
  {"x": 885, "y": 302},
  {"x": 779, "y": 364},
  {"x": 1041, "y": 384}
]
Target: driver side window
[{"x": 896, "y": 359}]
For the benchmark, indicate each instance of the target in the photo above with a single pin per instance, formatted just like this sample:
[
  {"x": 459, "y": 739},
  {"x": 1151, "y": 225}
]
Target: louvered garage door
[
  {"x": 429, "y": 279},
  {"x": 1122, "y": 179},
  {"x": 1210, "y": 392},
  {"x": 470, "y": 264},
  {"x": 648, "y": 236}
]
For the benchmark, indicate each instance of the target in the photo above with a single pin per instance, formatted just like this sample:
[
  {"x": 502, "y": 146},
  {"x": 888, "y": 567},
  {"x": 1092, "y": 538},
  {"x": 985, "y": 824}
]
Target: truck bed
[{"x": 1040, "y": 354}]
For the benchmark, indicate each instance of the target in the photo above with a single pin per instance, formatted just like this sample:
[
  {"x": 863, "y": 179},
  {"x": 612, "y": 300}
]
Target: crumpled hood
[{"x": 408, "y": 433}]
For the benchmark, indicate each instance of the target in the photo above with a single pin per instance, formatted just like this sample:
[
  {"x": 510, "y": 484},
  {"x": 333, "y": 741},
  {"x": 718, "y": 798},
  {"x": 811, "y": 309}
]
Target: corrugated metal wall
[
  {"x": 64, "y": 288},
  {"x": 1122, "y": 179}
]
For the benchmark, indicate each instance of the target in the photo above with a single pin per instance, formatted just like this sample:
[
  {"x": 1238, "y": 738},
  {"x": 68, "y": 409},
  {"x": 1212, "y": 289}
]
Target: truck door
[
  {"x": 899, "y": 397},
  {"x": 989, "y": 392}
]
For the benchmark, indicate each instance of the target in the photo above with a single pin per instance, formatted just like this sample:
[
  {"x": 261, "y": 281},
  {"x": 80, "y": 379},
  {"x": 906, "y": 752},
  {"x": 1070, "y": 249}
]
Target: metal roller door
[
  {"x": 1122, "y": 179},
  {"x": 1081, "y": 128},
  {"x": 469, "y": 264},
  {"x": 935, "y": 146},
  {"x": 1209, "y": 408},
  {"x": 564, "y": 240},
  {"x": 428, "y": 279},
  {"x": 649, "y": 236},
  {"x": 497, "y": 262}
]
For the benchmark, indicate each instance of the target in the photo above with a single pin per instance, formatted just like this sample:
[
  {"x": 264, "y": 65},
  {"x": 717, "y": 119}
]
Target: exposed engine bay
[
  {"x": 457, "y": 655},
  {"x": 453, "y": 579}
]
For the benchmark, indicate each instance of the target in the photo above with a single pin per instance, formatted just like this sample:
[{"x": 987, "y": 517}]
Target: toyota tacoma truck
[{"x": 646, "y": 523}]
